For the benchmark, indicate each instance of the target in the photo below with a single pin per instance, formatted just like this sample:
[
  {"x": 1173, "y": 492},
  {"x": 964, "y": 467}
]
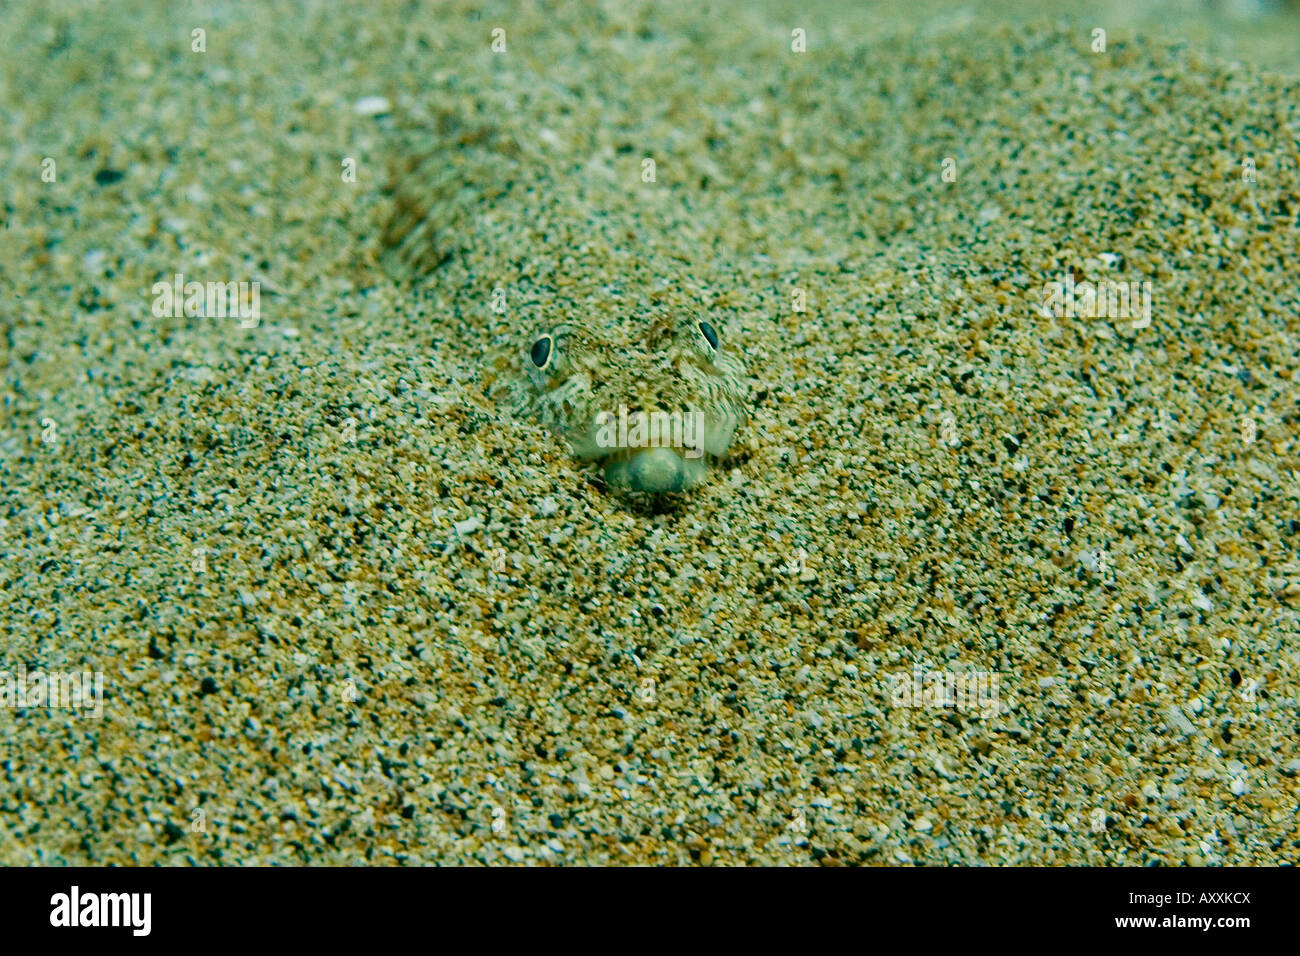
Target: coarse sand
[{"x": 990, "y": 578}]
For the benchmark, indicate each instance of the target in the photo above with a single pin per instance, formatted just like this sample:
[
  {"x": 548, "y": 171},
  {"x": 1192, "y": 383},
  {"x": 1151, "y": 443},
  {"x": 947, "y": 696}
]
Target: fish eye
[
  {"x": 710, "y": 334},
  {"x": 541, "y": 352}
]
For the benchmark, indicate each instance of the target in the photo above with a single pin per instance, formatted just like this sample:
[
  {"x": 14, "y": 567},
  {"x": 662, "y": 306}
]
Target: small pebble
[{"x": 372, "y": 106}]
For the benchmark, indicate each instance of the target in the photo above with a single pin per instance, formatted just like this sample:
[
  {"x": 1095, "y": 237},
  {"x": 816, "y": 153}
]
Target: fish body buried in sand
[
  {"x": 654, "y": 413},
  {"x": 645, "y": 386}
]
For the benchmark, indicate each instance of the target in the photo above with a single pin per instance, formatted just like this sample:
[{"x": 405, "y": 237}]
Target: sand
[{"x": 348, "y": 609}]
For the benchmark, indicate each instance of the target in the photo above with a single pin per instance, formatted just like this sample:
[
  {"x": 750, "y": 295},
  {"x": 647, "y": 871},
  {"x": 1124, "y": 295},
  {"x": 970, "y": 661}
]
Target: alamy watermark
[
  {"x": 966, "y": 691},
  {"x": 656, "y": 429},
  {"x": 210, "y": 300},
  {"x": 67, "y": 690},
  {"x": 1103, "y": 299}
]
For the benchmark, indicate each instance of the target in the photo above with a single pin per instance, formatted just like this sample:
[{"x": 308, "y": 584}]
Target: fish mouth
[
  {"x": 657, "y": 452},
  {"x": 657, "y": 470}
]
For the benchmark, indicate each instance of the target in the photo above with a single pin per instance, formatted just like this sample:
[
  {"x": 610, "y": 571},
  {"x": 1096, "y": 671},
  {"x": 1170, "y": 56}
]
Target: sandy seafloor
[{"x": 440, "y": 640}]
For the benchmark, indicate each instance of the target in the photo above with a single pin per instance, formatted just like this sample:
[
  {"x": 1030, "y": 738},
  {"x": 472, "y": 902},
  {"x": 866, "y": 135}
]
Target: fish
[{"x": 642, "y": 380}]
